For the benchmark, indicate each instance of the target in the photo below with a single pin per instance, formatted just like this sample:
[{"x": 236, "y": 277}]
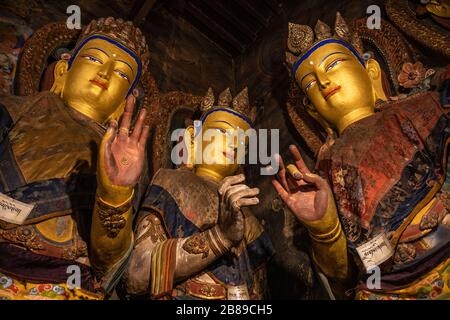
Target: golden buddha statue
[
  {"x": 195, "y": 236},
  {"x": 48, "y": 153},
  {"x": 379, "y": 197}
]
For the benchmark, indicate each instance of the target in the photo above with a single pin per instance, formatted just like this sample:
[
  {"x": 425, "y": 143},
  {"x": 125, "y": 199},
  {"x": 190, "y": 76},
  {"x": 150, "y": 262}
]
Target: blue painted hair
[
  {"x": 237, "y": 114},
  {"x": 322, "y": 43},
  {"x": 131, "y": 53}
]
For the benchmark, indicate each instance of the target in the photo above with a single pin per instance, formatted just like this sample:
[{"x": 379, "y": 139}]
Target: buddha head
[
  {"x": 341, "y": 88},
  {"x": 220, "y": 142},
  {"x": 103, "y": 69}
]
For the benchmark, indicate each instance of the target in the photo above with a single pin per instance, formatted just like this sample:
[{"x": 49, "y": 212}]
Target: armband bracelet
[
  {"x": 328, "y": 237},
  {"x": 217, "y": 242},
  {"x": 111, "y": 217}
]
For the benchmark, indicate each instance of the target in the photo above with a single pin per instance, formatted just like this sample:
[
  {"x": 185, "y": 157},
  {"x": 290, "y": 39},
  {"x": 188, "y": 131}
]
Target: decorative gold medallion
[
  {"x": 197, "y": 244},
  {"x": 112, "y": 218},
  {"x": 208, "y": 290}
]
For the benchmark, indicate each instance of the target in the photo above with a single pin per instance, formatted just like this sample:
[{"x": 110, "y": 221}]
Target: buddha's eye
[
  {"x": 221, "y": 130},
  {"x": 334, "y": 63},
  {"x": 92, "y": 58},
  {"x": 309, "y": 85},
  {"x": 123, "y": 75}
]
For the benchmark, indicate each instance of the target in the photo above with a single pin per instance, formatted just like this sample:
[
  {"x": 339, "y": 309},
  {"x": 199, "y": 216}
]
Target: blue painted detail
[
  {"x": 229, "y": 269},
  {"x": 321, "y": 44},
  {"x": 237, "y": 114}
]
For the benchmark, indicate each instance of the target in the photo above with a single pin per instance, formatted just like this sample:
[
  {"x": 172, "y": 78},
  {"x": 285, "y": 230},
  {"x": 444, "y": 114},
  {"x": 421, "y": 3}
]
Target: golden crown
[
  {"x": 240, "y": 103},
  {"x": 121, "y": 31},
  {"x": 301, "y": 38}
]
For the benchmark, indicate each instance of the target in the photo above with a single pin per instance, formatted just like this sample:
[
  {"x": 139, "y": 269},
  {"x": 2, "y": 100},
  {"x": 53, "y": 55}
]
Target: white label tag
[
  {"x": 375, "y": 252},
  {"x": 237, "y": 293},
  {"x": 14, "y": 211}
]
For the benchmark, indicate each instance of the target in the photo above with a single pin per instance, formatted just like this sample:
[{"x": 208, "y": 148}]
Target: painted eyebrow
[
  {"x": 108, "y": 56},
  {"x": 328, "y": 55},
  {"x": 127, "y": 65},
  {"x": 223, "y": 122},
  {"x": 98, "y": 50},
  {"x": 303, "y": 78}
]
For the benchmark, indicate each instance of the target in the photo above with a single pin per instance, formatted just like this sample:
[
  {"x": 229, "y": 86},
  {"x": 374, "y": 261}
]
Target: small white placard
[
  {"x": 237, "y": 293},
  {"x": 376, "y": 251},
  {"x": 14, "y": 211}
]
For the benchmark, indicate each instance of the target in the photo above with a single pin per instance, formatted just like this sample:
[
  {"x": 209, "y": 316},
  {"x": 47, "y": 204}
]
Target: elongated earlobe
[
  {"x": 374, "y": 71},
  {"x": 190, "y": 146},
  {"x": 60, "y": 74}
]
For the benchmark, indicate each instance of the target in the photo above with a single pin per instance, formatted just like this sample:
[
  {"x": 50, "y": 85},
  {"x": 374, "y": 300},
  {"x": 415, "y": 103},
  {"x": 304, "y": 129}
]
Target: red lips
[
  {"x": 229, "y": 155},
  {"x": 99, "y": 83},
  {"x": 330, "y": 92}
]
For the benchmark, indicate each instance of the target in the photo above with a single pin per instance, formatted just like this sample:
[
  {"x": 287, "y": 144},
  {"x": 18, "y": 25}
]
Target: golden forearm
[
  {"x": 111, "y": 231},
  {"x": 331, "y": 256},
  {"x": 329, "y": 245}
]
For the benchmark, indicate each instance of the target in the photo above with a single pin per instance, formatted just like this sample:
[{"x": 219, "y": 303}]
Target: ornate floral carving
[
  {"x": 208, "y": 100},
  {"x": 197, "y": 244},
  {"x": 36, "y": 51},
  {"x": 207, "y": 290},
  {"x": 405, "y": 253},
  {"x": 411, "y": 75},
  {"x": 225, "y": 98},
  {"x": 24, "y": 236},
  {"x": 404, "y": 17},
  {"x": 414, "y": 75},
  {"x": 390, "y": 45},
  {"x": 300, "y": 38},
  {"x": 322, "y": 30},
  {"x": 170, "y": 103},
  {"x": 112, "y": 218}
]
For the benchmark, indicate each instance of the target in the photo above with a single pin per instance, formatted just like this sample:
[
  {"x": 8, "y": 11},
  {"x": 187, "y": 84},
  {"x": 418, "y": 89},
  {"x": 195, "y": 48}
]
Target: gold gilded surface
[
  {"x": 439, "y": 8},
  {"x": 98, "y": 80},
  {"x": 48, "y": 142},
  {"x": 59, "y": 229},
  {"x": 340, "y": 89},
  {"x": 220, "y": 151}
]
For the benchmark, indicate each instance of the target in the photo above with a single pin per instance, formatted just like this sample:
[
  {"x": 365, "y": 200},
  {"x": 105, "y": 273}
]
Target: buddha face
[
  {"x": 337, "y": 84},
  {"x": 99, "y": 79},
  {"x": 439, "y": 8},
  {"x": 221, "y": 142}
]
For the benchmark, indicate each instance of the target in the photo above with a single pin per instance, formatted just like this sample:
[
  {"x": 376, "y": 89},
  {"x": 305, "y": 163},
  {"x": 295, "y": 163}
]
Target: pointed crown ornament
[
  {"x": 302, "y": 39},
  {"x": 239, "y": 104}
]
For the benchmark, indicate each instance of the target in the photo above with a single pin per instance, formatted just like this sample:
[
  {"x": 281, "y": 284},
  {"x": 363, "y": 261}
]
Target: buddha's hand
[
  {"x": 307, "y": 195},
  {"x": 122, "y": 155},
  {"x": 234, "y": 195}
]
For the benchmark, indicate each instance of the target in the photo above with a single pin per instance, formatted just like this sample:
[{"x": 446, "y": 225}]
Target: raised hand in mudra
[
  {"x": 122, "y": 154},
  {"x": 307, "y": 195}
]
